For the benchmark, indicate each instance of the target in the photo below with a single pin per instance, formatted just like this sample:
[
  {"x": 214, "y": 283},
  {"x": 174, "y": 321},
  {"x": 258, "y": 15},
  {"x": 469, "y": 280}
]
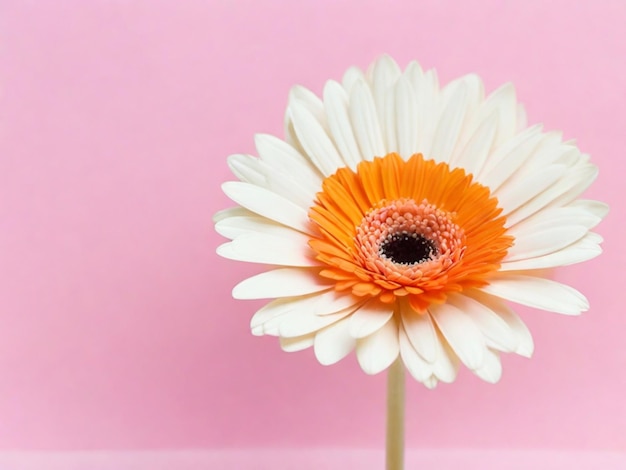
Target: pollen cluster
[{"x": 405, "y": 241}]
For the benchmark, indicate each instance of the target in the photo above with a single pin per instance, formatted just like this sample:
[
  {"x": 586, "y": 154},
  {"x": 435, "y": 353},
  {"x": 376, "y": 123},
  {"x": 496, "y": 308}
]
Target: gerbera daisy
[{"x": 401, "y": 216}]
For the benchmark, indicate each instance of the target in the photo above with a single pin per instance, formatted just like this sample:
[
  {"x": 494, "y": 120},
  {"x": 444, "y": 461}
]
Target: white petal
[
  {"x": 289, "y": 186},
  {"x": 283, "y": 282},
  {"x": 430, "y": 382},
  {"x": 270, "y": 249},
  {"x": 246, "y": 168},
  {"x": 268, "y": 204},
  {"x": 236, "y": 225},
  {"x": 384, "y": 74},
  {"x": 543, "y": 242},
  {"x": 502, "y": 165},
  {"x": 582, "y": 250},
  {"x": 279, "y": 154},
  {"x": 413, "y": 71},
  {"x": 298, "y": 323},
  {"x": 296, "y": 344},
  {"x": 576, "y": 183},
  {"x": 463, "y": 336},
  {"x": 292, "y": 139},
  {"x": 370, "y": 318},
  {"x": 561, "y": 193},
  {"x": 449, "y": 126},
  {"x": 513, "y": 195},
  {"x": 406, "y": 118},
  {"x": 473, "y": 155},
  {"x": 231, "y": 212},
  {"x": 383, "y": 71},
  {"x": 378, "y": 351},
  {"x": 311, "y": 102},
  {"x": 333, "y": 343},
  {"x": 446, "y": 367},
  {"x": 365, "y": 122},
  {"x": 388, "y": 121},
  {"x": 538, "y": 293},
  {"x": 525, "y": 344},
  {"x": 475, "y": 92},
  {"x": 428, "y": 106},
  {"x": 495, "y": 329},
  {"x": 491, "y": 370},
  {"x": 576, "y": 217},
  {"x": 336, "y": 105},
  {"x": 351, "y": 77},
  {"x": 315, "y": 140},
  {"x": 567, "y": 155},
  {"x": 504, "y": 101},
  {"x": 415, "y": 76},
  {"x": 324, "y": 303},
  {"x": 421, "y": 332},
  {"x": 475, "y": 116},
  {"x": 551, "y": 150},
  {"x": 553, "y": 217},
  {"x": 415, "y": 364},
  {"x": 274, "y": 309},
  {"x": 331, "y": 302},
  {"x": 597, "y": 208}
]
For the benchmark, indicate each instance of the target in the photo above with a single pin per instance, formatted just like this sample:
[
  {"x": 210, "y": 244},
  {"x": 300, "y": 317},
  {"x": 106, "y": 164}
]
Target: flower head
[{"x": 399, "y": 217}]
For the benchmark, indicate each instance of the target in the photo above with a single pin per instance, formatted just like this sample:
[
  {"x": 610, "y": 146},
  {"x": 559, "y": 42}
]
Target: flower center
[
  {"x": 412, "y": 228},
  {"x": 403, "y": 239},
  {"x": 408, "y": 248}
]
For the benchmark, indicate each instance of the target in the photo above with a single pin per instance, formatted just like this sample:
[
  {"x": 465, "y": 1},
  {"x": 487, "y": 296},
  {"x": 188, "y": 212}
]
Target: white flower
[{"x": 400, "y": 216}]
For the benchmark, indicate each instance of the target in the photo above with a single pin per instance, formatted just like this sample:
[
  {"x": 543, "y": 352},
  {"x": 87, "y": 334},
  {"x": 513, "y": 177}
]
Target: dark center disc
[{"x": 408, "y": 248}]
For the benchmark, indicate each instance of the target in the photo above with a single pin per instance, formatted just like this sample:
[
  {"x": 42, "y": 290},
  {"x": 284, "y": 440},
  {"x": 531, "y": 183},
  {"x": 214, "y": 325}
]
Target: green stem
[{"x": 395, "y": 416}]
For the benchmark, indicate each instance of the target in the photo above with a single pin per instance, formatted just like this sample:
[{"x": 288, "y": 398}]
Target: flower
[{"x": 400, "y": 217}]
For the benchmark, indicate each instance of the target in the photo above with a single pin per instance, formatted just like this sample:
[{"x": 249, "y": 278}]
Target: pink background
[{"x": 117, "y": 329}]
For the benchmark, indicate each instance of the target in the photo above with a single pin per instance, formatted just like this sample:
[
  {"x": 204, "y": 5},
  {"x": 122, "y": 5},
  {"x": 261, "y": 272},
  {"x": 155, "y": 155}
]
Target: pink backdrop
[{"x": 117, "y": 329}]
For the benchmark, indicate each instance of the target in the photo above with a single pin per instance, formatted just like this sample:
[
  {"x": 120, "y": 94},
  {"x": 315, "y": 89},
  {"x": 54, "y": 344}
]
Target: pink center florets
[{"x": 406, "y": 240}]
